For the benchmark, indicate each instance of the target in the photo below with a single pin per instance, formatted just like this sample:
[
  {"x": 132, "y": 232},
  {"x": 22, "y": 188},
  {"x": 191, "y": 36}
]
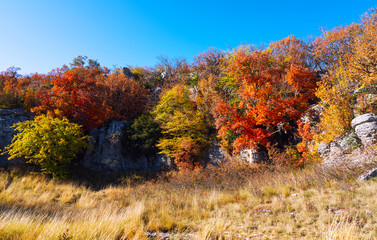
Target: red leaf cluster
[{"x": 270, "y": 97}]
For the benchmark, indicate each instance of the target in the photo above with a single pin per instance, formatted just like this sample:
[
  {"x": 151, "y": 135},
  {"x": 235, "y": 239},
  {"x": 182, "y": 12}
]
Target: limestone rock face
[
  {"x": 367, "y": 132},
  {"x": 323, "y": 149},
  {"x": 368, "y": 117},
  {"x": 8, "y": 117},
  {"x": 366, "y": 128},
  {"x": 215, "y": 154},
  {"x": 253, "y": 156},
  {"x": 346, "y": 149},
  {"x": 108, "y": 154}
]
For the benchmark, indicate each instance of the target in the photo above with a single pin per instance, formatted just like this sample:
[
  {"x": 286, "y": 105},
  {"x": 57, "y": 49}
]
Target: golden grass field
[{"x": 234, "y": 201}]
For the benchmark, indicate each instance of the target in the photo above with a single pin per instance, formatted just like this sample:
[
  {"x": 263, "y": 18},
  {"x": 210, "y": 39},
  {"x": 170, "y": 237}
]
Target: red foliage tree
[
  {"x": 89, "y": 95},
  {"x": 76, "y": 96},
  {"x": 125, "y": 97},
  {"x": 271, "y": 97}
]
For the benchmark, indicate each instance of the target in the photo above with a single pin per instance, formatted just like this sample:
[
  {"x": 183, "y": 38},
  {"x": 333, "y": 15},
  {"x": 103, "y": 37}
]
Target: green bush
[
  {"x": 141, "y": 137},
  {"x": 49, "y": 142}
]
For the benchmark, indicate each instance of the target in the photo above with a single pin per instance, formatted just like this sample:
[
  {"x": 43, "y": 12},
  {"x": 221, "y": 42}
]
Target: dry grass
[{"x": 234, "y": 201}]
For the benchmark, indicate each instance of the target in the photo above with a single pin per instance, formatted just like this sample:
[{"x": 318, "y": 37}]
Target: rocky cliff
[
  {"x": 8, "y": 117},
  {"x": 108, "y": 154}
]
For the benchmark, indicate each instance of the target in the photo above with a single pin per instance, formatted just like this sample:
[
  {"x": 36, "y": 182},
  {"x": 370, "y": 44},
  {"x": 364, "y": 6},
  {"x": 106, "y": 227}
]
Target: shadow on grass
[
  {"x": 229, "y": 175},
  {"x": 81, "y": 176}
]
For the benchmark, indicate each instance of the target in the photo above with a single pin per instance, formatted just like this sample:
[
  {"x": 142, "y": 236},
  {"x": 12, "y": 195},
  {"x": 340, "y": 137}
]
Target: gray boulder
[
  {"x": 365, "y": 118},
  {"x": 346, "y": 149},
  {"x": 367, "y": 132},
  {"x": 340, "y": 146},
  {"x": 323, "y": 149},
  {"x": 8, "y": 117},
  {"x": 366, "y": 128}
]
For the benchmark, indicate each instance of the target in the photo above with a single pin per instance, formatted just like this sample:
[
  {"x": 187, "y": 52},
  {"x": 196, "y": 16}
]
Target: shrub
[
  {"x": 141, "y": 137},
  {"x": 48, "y": 142}
]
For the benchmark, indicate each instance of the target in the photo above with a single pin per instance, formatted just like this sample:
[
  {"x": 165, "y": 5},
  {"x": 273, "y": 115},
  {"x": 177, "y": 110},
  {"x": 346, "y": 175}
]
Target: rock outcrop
[
  {"x": 354, "y": 148},
  {"x": 253, "y": 156},
  {"x": 126, "y": 71},
  {"x": 365, "y": 127},
  {"x": 8, "y": 117},
  {"x": 343, "y": 145},
  {"x": 215, "y": 154},
  {"x": 108, "y": 154}
]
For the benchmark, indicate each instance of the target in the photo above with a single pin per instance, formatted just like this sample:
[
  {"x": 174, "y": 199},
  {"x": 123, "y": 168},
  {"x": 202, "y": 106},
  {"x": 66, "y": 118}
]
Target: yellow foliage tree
[
  {"x": 363, "y": 58},
  {"x": 185, "y": 134},
  {"x": 336, "y": 101},
  {"x": 348, "y": 58},
  {"x": 48, "y": 142}
]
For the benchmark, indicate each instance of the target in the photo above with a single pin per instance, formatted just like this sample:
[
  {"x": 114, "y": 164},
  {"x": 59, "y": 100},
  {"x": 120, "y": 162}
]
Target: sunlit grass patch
[{"x": 229, "y": 202}]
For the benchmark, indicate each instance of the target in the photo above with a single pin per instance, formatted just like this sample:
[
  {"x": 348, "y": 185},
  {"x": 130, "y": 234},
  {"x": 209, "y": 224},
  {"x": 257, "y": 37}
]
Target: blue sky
[{"x": 40, "y": 35}]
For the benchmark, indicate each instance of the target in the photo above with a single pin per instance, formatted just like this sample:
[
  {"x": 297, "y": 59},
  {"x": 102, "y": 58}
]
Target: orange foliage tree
[
  {"x": 90, "y": 95},
  {"x": 18, "y": 91},
  {"x": 125, "y": 97},
  {"x": 75, "y": 95},
  {"x": 271, "y": 97},
  {"x": 348, "y": 57},
  {"x": 9, "y": 89}
]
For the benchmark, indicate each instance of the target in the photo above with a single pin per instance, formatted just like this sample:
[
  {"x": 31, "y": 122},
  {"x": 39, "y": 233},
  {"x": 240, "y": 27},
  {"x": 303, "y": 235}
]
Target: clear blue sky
[{"x": 38, "y": 35}]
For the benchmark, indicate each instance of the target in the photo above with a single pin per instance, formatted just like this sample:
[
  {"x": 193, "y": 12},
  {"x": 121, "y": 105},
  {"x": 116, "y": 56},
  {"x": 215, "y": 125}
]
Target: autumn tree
[
  {"x": 209, "y": 63},
  {"x": 363, "y": 58},
  {"x": 173, "y": 71},
  {"x": 142, "y": 136},
  {"x": 50, "y": 143},
  {"x": 348, "y": 56},
  {"x": 209, "y": 69},
  {"x": 292, "y": 50},
  {"x": 76, "y": 96},
  {"x": 124, "y": 97},
  {"x": 17, "y": 91},
  {"x": 271, "y": 97},
  {"x": 32, "y": 85},
  {"x": 9, "y": 94},
  {"x": 334, "y": 47},
  {"x": 185, "y": 133}
]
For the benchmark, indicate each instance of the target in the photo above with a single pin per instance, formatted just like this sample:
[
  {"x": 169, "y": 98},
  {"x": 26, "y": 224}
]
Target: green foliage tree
[
  {"x": 141, "y": 137},
  {"x": 48, "y": 142}
]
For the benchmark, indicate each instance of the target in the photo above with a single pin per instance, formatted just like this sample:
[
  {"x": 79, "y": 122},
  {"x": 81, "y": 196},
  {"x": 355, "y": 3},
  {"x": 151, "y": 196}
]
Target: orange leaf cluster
[
  {"x": 271, "y": 98},
  {"x": 90, "y": 96}
]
